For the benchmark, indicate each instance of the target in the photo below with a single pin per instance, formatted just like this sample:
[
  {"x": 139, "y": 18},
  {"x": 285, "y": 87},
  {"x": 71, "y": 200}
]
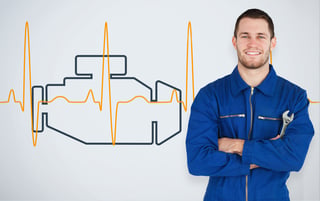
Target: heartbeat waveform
[
  {"x": 313, "y": 102},
  {"x": 12, "y": 92},
  {"x": 113, "y": 126}
]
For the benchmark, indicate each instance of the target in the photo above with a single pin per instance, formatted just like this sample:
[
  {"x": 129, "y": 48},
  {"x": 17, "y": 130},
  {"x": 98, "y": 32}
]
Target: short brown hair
[{"x": 255, "y": 14}]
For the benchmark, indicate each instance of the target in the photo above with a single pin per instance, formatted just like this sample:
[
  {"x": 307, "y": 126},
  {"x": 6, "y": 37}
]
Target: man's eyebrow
[{"x": 243, "y": 33}]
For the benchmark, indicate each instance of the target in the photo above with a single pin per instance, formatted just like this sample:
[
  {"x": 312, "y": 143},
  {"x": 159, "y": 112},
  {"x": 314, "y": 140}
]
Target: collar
[{"x": 267, "y": 86}]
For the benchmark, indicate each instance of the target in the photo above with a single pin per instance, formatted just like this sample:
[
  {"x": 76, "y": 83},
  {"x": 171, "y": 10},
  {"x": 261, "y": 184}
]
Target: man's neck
[{"x": 253, "y": 77}]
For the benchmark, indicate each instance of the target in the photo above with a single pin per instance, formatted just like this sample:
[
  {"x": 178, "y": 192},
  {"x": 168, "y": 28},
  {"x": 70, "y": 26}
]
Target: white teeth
[{"x": 253, "y": 53}]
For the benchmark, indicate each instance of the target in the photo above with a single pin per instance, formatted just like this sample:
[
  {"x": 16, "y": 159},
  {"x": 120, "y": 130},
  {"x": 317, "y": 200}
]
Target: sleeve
[
  {"x": 289, "y": 152},
  {"x": 202, "y": 142}
]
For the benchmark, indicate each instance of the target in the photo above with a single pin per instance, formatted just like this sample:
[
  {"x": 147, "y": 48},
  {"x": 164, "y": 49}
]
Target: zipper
[
  {"x": 247, "y": 188},
  {"x": 269, "y": 118},
  {"x": 251, "y": 113},
  {"x": 232, "y": 115},
  {"x": 249, "y": 134}
]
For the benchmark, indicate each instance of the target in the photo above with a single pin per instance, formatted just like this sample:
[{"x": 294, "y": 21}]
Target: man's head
[
  {"x": 254, "y": 39},
  {"x": 255, "y": 14}
]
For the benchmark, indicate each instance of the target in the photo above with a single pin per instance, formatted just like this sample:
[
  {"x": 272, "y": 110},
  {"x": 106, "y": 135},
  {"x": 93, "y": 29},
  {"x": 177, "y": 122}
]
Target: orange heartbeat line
[
  {"x": 12, "y": 93},
  {"x": 313, "y": 102},
  {"x": 22, "y": 103},
  {"x": 90, "y": 92}
]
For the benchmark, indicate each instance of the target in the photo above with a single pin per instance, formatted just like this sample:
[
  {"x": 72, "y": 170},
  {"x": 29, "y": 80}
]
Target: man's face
[{"x": 253, "y": 43}]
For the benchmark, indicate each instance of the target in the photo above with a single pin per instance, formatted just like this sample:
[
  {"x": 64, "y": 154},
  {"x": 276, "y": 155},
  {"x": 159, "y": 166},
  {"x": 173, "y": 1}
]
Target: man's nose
[{"x": 252, "y": 42}]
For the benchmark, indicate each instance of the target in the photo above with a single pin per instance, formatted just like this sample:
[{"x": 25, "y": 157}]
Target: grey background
[{"x": 153, "y": 35}]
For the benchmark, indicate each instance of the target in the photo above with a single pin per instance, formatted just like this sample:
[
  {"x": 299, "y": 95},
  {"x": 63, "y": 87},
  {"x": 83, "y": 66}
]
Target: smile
[{"x": 253, "y": 53}]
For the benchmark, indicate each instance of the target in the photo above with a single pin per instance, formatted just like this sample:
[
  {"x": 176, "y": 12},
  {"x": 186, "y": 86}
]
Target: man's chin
[{"x": 253, "y": 65}]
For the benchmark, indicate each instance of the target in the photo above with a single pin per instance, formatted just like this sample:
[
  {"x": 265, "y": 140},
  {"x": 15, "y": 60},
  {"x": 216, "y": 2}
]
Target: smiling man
[{"x": 233, "y": 133}]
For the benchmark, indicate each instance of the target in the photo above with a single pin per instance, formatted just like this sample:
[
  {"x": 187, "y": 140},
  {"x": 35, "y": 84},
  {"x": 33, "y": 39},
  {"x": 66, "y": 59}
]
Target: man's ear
[
  {"x": 234, "y": 42},
  {"x": 273, "y": 43}
]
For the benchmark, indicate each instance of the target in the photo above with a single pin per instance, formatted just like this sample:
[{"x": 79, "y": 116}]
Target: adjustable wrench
[{"x": 286, "y": 121}]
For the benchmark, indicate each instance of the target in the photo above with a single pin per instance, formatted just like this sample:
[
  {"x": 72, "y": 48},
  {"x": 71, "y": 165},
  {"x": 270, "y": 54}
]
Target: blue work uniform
[{"x": 230, "y": 108}]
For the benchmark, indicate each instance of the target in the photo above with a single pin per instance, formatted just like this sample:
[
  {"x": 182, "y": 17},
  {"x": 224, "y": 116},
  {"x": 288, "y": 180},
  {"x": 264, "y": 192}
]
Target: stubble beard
[{"x": 253, "y": 64}]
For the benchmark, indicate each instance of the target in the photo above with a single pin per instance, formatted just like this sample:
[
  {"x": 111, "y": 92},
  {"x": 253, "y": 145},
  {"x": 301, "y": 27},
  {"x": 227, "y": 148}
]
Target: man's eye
[
  {"x": 262, "y": 37},
  {"x": 244, "y": 36}
]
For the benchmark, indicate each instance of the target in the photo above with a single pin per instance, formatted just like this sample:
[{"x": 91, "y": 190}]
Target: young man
[{"x": 235, "y": 122}]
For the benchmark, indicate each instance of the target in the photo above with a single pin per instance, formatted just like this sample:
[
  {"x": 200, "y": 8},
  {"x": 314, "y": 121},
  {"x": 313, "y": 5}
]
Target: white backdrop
[{"x": 153, "y": 36}]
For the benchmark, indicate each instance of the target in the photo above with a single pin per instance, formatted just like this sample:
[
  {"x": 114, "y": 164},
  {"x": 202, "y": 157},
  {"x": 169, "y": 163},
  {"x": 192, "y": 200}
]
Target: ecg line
[
  {"x": 113, "y": 127},
  {"x": 313, "y": 102},
  {"x": 12, "y": 92},
  {"x": 189, "y": 38},
  {"x": 90, "y": 92}
]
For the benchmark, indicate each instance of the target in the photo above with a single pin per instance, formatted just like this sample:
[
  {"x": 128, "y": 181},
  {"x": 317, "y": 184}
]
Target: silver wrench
[{"x": 286, "y": 121}]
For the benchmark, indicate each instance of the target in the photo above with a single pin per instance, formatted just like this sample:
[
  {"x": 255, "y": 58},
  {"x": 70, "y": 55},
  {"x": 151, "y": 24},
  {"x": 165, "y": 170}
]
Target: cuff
[
  {"x": 243, "y": 168},
  {"x": 247, "y": 152}
]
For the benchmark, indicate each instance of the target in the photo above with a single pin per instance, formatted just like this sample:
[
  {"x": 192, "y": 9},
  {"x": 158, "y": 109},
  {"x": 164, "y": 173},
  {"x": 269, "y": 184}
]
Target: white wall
[{"x": 153, "y": 35}]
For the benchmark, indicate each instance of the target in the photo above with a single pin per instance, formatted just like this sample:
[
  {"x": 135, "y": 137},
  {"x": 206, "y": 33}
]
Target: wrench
[{"x": 286, "y": 121}]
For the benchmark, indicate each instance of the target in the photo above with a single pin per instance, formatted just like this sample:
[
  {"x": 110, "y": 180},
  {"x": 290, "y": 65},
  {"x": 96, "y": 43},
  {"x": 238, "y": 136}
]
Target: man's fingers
[
  {"x": 253, "y": 166},
  {"x": 229, "y": 145},
  {"x": 275, "y": 138}
]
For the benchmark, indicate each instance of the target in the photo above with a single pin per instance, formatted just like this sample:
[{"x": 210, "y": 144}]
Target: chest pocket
[
  {"x": 233, "y": 126},
  {"x": 267, "y": 126}
]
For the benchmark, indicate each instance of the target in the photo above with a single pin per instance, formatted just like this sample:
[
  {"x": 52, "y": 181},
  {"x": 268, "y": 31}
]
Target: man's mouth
[{"x": 252, "y": 53}]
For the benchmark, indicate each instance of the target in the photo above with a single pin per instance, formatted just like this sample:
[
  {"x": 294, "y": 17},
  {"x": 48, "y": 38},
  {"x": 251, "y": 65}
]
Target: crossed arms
[
  {"x": 210, "y": 155},
  {"x": 235, "y": 146}
]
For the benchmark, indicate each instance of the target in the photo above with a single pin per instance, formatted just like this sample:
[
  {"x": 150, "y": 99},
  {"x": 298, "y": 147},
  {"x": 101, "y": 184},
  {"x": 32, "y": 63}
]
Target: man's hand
[
  {"x": 253, "y": 166},
  {"x": 235, "y": 146},
  {"x": 229, "y": 145},
  {"x": 275, "y": 138}
]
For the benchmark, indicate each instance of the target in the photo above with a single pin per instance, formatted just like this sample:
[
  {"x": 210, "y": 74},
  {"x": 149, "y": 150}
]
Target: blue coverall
[{"x": 230, "y": 108}]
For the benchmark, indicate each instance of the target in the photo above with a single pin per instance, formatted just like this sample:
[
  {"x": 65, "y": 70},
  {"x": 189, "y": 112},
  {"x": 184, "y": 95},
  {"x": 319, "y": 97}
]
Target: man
[{"x": 235, "y": 122}]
